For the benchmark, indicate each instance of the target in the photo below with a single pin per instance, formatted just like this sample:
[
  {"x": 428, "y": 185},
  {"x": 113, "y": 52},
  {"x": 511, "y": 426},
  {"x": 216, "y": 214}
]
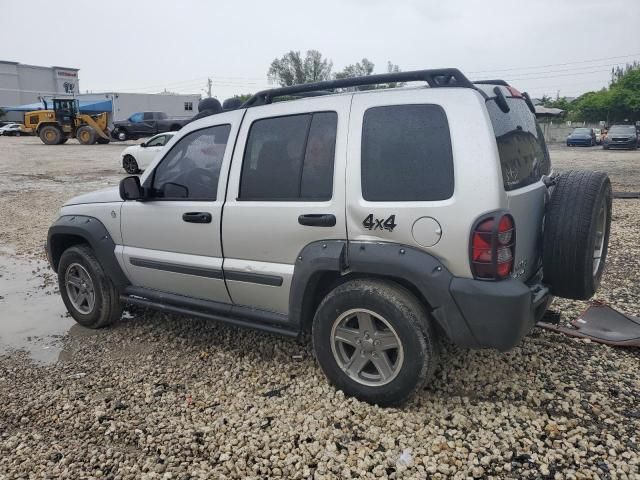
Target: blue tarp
[{"x": 88, "y": 106}]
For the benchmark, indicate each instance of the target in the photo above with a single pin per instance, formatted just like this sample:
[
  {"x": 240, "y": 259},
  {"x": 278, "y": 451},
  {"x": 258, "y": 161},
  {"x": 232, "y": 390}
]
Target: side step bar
[{"x": 231, "y": 314}]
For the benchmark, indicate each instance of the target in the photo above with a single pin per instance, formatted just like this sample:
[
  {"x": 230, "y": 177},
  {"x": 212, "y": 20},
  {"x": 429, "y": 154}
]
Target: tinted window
[
  {"x": 524, "y": 157},
  {"x": 148, "y": 115},
  {"x": 290, "y": 158},
  {"x": 192, "y": 167},
  {"x": 406, "y": 154}
]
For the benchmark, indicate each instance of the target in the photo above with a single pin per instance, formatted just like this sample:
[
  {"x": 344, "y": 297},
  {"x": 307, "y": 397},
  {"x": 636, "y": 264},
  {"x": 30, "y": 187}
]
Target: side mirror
[
  {"x": 143, "y": 144},
  {"x": 130, "y": 188}
]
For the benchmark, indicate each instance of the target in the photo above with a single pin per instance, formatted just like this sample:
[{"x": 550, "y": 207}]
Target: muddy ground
[{"x": 159, "y": 396}]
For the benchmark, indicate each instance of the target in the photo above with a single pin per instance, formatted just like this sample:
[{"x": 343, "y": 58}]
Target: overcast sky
[{"x": 540, "y": 46}]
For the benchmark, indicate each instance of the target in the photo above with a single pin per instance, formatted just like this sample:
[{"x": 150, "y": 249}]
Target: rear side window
[
  {"x": 406, "y": 154},
  {"x": 524, "y": 157},
  {"x": 290, "y": 158}
]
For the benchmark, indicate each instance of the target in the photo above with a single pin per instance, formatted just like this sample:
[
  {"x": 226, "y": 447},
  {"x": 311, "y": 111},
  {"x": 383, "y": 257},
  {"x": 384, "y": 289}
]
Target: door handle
[
  {"x": 197, "y": 217},
  {"x": 317, "y": 220}
]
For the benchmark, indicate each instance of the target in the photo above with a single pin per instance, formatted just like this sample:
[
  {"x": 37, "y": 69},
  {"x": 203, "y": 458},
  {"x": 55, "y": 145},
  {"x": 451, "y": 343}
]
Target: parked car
[
  {"x": 599, "y": 135},
  {"x": 380, "y": 221},
  {"x": 621, "y": 136},
  {"x": 146, "y": 124},
  {"x": 582, "y": 136},
  {"x": 12, "y": 129},
  {"x": 138, "y": 157}
]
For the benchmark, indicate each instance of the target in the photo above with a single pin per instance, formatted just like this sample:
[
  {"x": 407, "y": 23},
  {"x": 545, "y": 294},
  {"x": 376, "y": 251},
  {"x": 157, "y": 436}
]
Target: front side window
[
  {"x": 136, "y": 118},
  {"x": 290, "y": 158},
  {"x": 158, "y": 141},
  {"x": 191, "y": 169},
  {"x": 406, "y": 154},
  {"x": 148, "y": 115}
]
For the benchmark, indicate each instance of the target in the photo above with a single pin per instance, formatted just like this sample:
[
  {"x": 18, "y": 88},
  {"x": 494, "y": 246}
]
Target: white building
[
  {"x": 123, "y": 105},
  {"x": 23, "y": 86}
]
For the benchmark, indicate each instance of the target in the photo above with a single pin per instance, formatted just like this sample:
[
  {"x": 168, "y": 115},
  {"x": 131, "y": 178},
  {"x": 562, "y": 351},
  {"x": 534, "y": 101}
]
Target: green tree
[
  {"x": 292, "y": 68},
  {"x": 619, "y": 103},
  {"x": 365, "y": 68},
  {"x": 359, "y": 69}
]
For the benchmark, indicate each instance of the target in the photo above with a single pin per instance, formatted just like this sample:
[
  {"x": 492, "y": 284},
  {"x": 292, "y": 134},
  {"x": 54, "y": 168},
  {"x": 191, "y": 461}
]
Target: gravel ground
[{"x": 159, "y": 396}]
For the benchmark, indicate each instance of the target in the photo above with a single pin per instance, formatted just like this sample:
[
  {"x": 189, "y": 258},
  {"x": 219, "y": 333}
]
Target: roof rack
[
  {"x": 443, "y": 77},
  {"x": 492, "y": 82}
]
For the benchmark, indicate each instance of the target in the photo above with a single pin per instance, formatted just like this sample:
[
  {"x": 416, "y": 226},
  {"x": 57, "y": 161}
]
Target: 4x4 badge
[{"x": 371, "y": 223}]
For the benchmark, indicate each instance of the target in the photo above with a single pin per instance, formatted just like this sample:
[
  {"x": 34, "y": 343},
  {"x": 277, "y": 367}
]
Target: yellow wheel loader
[{"x": 64, "y": 121}]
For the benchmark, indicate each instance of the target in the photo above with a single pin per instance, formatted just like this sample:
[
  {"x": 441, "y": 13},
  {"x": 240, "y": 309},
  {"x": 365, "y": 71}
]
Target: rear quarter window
[
  {"x": 406, "y": 154},
  {"x": 524, "y": 157}
]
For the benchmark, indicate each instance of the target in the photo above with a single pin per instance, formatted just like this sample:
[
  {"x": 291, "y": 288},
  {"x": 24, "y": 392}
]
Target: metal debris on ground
[
  {"x": 626, "y": 195},
  {"x": 603, "y": 324}
]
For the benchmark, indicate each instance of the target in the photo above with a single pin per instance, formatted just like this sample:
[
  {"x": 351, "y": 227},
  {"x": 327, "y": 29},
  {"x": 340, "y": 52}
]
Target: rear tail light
[{"x": 493, "y": 245}]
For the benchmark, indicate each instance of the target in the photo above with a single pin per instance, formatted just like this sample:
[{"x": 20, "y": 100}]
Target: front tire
[
  {"x": 374, "y": 341},
  {"x": 86, "y": 135},
  {"x": 130, "y": 165},
  {"x": 87, "y": 292}
]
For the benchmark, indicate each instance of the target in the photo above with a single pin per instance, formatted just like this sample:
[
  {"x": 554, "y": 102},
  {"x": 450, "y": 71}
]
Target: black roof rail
[
  {"x": 491, "y": 82},
  {"x": 442, "y": 77}
]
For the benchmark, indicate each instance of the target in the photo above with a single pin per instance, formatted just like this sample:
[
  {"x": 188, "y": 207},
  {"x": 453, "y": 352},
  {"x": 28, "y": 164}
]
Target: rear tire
[
  {"x": 88, "y": 293},
  {"x": 374, "y": 341},
  {"x": 86, "y": 135},
  {"x": 576, "y": 234},
  {"x": 50, "y": 135},
  {"x": 130, "y": 165}
]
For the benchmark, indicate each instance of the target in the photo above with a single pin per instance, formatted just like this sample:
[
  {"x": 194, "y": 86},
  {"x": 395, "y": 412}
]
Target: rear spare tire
[{"x": 576, "y": 233}]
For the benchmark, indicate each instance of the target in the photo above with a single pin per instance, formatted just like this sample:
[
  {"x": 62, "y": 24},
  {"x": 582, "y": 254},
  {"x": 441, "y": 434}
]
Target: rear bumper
[{"x": 498, "y": 314}]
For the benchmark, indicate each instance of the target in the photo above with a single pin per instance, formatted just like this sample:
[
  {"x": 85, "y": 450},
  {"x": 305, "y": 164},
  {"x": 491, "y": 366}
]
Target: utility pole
[{"x": 209, "y": 83}]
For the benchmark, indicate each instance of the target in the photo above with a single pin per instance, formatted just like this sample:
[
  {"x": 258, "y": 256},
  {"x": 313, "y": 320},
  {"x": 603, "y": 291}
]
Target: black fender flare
[
  {"x": 408, "y": 264},
  {"x": 72, "y": 229}
]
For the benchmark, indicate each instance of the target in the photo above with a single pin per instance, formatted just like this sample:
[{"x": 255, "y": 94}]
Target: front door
[
  {"x": 172, "y": 241},
  {"x": 286, "y": 190},
  {"x": 151, "y": 149}
]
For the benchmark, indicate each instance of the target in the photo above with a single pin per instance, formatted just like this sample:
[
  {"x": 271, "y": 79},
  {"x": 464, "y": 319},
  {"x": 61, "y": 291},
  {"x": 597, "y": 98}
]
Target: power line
[{"x": 556, "y": 64}]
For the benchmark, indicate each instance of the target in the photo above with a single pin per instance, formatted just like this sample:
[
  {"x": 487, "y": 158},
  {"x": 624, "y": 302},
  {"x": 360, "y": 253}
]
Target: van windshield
[{"x": 524, "y": 157}]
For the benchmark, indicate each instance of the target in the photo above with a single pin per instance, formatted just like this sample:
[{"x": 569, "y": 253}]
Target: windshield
[
  {"x": 624, "y": 129},
  {"x": 582, "y": 131},
  {"x": 524, "y": 157}
]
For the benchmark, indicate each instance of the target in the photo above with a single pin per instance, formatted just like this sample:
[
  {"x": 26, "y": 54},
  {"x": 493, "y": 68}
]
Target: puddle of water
[{"x": 32, "y": 315}]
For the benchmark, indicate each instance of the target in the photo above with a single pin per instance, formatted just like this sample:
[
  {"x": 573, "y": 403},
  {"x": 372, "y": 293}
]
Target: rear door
[
  {"x": 524, "y": 159},
  {"x": 286, "y": 190}
]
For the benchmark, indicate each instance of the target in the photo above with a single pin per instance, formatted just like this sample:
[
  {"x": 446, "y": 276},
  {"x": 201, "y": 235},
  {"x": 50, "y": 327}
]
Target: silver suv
[{"x": 381, "y": 221}]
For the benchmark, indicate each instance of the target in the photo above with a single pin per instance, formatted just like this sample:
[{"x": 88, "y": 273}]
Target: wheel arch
[
  {"x": 72, "y": 230},
  {"x": 322, "y": 266}
]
